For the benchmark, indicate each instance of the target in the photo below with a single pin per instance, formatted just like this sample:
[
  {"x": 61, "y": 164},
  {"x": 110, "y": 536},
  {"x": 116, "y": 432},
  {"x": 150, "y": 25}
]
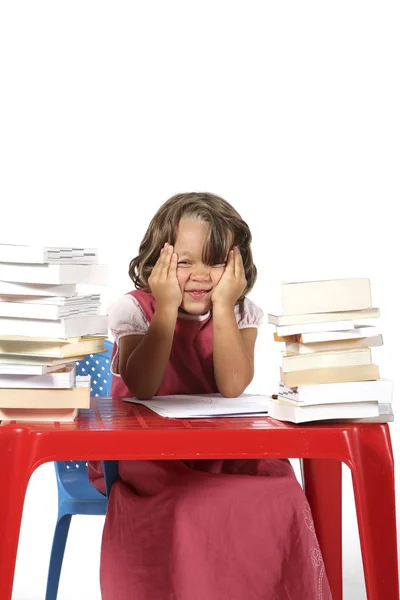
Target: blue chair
[{"x": 76, "y": 496}]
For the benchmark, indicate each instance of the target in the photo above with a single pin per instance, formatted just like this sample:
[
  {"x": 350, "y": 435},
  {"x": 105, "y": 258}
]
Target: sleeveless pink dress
[{"x": 203, "y": 529}]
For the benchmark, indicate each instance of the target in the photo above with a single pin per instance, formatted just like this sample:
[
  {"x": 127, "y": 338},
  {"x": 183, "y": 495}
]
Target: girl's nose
[{"x": 201, "y": 273}]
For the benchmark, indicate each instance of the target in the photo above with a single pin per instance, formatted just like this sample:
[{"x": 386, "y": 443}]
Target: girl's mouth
[{"x": 197, "y": 294}]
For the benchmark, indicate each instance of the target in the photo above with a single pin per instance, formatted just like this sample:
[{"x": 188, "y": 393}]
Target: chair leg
[
  {"x": 323, "y": 488},
  {"x": 373, "y": 479},
  {"x": 57, "y": 555}
]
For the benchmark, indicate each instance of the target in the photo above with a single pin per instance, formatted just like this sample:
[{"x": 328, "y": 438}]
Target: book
[
  {"x": 14, "y": 253},
  {"x": 300, "y": 362},
  {"x": 330, "y": 375},
  {"x": 36, "y": 289},
  {"x": 38, "y": 415},
  {"x": 54, "y": 274},
  {"x": 49, "y": 311},
  {"x": 352, "y": 315},
  {"x": 204, "y": 405},
  {"x": 386, "y": 415},
  {"x": 359, "y": 331},
  {"x": 334, "y": 393},
  {"x": 52, "y": 348},
  {"x": 64, "y": 378},
  {"x": 74, "y": 300},
  {"x": 284, "y": 330},
  {"x": 76, "y": 397},
  {"x": 326, "y": 296},
  {"x": 21, "y": 359},
  {"x": 60, "y": 328},
  {"x": 28, "y": 369},
  {"x": 318, "y": 412},
  {"x": 351, "y": 344}
]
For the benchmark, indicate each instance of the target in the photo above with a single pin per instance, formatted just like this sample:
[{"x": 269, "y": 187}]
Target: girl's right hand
[{"x": 163, "y": 280}]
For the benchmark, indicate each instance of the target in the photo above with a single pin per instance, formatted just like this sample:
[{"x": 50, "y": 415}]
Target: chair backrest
[{"x": 98, "y": 367}]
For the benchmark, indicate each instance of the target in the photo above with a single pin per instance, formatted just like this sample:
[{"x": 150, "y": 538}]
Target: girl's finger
[
  {"x": 173, "y": 265},
  {"x": 230, "y": 265},
  {"x": 166, "y": 259}
]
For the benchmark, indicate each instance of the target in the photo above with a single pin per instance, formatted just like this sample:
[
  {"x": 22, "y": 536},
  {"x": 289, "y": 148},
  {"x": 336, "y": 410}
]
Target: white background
[{"x": 287, "y": 109}]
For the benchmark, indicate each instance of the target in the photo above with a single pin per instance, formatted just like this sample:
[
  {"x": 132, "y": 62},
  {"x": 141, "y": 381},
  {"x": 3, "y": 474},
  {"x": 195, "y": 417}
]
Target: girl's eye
[
  {"x": 183, "y": 263},
  {"x": 219, "y": 266}
]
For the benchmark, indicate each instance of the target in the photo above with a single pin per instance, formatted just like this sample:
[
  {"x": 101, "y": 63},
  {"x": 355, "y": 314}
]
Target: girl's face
[{"x": 196, "y": 279}]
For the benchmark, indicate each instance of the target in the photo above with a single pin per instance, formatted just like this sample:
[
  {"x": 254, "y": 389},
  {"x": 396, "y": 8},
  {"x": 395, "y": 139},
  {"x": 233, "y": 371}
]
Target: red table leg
[
  {"x": 373, "y": 480},
  {"x": 323, "y": 488},
  {"x": 15, "y": 470}
]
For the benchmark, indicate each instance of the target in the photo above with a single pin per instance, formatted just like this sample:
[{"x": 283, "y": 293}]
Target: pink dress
[{"x": 203, "y": 529}]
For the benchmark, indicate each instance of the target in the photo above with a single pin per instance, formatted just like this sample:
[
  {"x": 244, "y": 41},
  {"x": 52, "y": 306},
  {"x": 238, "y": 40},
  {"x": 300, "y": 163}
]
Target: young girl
[{"x": 199, "y": 529}]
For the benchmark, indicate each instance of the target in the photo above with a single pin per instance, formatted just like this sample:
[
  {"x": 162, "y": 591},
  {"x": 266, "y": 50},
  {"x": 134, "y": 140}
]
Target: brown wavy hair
[{"x": 201, "y": 206}]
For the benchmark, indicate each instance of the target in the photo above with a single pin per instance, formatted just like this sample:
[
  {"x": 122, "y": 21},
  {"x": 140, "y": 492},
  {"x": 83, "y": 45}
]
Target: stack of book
[
  {"x": 327, "y": 372},
  {"x": 46, "y": 325}
]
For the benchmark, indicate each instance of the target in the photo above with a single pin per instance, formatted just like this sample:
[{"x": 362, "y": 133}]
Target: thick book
[
  {"x": 326, "y": 296},
  {"x": 66, "y": 348},
  {"x": 76, "y": 397},
  {"x": 330, "y": 375},
  {"x": 38, "y": 415},
  {"x": 352, "y": 344},
  {"x": 49, "y": 311},
  {"x": 54, "y": 274},
  {"x": 359, "y": 331},
  {"x": 62, "y": 379},
  {"x": 60, "y": 328},
  {"x": 320, "y": 360},
  {"x": 333, "y": 393},
  {"x": 319, "y": 412},
  {"x": 285, "y": 330},
  {"x": 15, "y": 253},
  {"x": 8, "y": 288},
  {"x": 351, "y": 315}
]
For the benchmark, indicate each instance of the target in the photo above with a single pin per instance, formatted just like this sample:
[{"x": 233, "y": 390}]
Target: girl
[{"x": 205, "y": 529}]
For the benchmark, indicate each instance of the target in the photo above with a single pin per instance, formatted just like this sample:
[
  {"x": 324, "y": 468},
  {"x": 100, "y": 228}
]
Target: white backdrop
[{"x": 288, "y": 110}]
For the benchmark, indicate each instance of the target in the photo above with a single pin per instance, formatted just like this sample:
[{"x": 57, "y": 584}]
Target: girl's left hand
[{"x": 232, "y": 283}]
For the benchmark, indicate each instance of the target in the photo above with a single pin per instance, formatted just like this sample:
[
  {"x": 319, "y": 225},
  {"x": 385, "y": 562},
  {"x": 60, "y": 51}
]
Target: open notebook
[{"x": 205, "y": 405}]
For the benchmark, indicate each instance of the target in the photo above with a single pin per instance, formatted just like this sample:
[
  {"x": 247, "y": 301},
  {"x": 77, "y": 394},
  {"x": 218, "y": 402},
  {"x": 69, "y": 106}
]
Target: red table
[{"x": 113, "y": 429}]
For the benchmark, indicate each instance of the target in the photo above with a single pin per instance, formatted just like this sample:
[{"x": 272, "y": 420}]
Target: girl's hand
[
  {"x": 163, "y": 281},
  {"x": 232, "y": 283}
]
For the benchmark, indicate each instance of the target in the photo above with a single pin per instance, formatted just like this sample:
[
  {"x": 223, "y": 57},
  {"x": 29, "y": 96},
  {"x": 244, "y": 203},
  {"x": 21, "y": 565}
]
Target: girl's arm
[
  {"x": 233, "y": 353},
  {"x": 142, "y": 362},
  {"x": 144, "y": 358},
  {"x": 233, "y": 349}
]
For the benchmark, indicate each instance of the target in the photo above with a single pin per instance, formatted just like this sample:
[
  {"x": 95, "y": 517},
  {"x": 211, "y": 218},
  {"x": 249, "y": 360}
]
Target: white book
[
  {"x": 204, "y": 405},
  {"x": 14, "y": 253},
  {"x": 323, "y": 360},
  {"x": 60, "y": 328},
  {"x": 86, "y": 300},
  {"x": 62, "y": 379},
  {"x": 54, "y": 274},
  {"x": 351, "y": 315},
  {"x": 326, "y": 296},
  {"x": 284, "y": 330},
  {"x": 36, "y": 289},
  {"x": 28, "y": 369},
  {"x": 359, "y": 331},
  {"x": 380, "y": 390},
  {"x": 21, "y": 310},
  {"x": 29, "y": 359},
  {"x": 335, "y": 345},
  {"x": 319, "y": 412}
]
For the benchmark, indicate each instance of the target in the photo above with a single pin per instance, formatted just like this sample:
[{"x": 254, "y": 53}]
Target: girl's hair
[{"x": 203, "y": 207}]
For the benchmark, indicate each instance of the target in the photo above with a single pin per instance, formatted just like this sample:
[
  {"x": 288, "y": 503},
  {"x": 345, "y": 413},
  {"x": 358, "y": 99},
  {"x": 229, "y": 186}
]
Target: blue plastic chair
[{"x": 76, "y": 496}]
